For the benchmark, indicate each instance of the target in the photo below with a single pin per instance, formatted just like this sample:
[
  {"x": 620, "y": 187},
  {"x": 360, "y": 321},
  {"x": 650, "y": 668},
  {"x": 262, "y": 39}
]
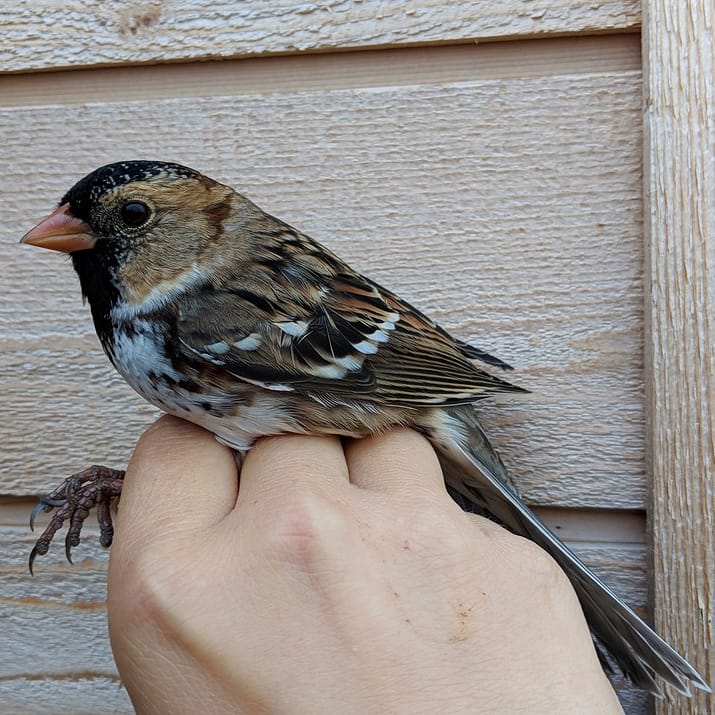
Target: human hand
[{"x": 337, "y": 580}]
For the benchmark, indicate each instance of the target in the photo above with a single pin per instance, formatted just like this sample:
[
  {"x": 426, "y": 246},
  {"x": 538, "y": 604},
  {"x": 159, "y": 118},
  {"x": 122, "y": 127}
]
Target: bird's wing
[
  {"x": 330, "y": 332},
  {"x": 475, "y": 353}
]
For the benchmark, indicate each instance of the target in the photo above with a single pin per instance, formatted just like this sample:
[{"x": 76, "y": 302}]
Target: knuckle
[
  {"x": 141, "y": 593},
  {"x": 534, "y": 564},
  {"x": 440, "y": 537},
  {"x": 307, "y": 530}
]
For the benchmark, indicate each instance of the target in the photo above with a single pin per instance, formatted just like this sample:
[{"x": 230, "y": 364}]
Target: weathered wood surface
[
  {"x": 680, "y": 228},
  {"x": 314, "y": 72},
  {"x": 509, "y": 210},
  {"x": 44, "y": 34},
  {"x": 496, "y": 186},
  {"x": 55, "y": 654}
]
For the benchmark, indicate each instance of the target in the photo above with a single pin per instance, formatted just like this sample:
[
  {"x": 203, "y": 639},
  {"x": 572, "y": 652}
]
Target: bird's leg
[{"x": 73, "y": 499}]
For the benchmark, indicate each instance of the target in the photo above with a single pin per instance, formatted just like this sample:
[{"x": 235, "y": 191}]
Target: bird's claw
[
  {"x": 73, "y": 499},
  {"x": 44, "y": 505}
]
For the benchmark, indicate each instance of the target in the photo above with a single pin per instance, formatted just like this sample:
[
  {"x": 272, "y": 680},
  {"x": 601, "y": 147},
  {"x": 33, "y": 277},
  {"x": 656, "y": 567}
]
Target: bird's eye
[{"x": 135, "y": 213}]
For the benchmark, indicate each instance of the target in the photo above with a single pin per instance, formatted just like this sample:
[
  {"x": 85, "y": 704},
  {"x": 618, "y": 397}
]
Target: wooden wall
[{"x": 482, "y": 159}]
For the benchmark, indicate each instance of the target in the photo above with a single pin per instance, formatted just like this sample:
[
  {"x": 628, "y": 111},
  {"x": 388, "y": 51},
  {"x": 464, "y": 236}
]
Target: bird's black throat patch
[{"x": 98, "y": 289}]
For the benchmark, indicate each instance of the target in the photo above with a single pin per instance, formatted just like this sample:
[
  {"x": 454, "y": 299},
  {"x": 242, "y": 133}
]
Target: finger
[
  {"x": 275, "y": 465},
  {"x": 398, "y": 460},
  {"x": 178, "y": 479}
]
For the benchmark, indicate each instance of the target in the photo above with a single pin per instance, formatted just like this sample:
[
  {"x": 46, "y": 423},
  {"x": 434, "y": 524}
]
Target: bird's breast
[
  {"x": 235, "y": 411},
  {"x": 138, "y": 350}
]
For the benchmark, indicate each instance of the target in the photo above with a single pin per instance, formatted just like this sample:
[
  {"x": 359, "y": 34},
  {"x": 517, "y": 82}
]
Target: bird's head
[{"x": 135, "y": 225}]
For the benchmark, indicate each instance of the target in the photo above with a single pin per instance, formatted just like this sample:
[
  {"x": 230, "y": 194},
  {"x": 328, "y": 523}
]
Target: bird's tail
[{"x": 474, "y": 470}]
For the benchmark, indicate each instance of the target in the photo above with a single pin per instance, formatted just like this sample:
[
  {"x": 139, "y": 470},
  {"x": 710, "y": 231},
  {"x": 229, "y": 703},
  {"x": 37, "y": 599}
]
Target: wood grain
[
  {"x": 316, "y": 72},
  {"x": 497, "y": 186},
  {"x": 509, "y": 210},
  {"x": 55, "y": 640},
  {"x": 56, "y": 656},
  {"x": 43, "y": 34},
  {"x": 680, "y": 227}
]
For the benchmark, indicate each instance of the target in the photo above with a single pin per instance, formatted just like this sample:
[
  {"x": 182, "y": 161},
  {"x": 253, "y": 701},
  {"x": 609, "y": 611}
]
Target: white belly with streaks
[{"x": 140, "y": 358}]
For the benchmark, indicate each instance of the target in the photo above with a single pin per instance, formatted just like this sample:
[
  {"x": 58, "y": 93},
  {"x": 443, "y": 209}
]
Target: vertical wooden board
[
  {"x": 508, "y": 210},
  {"x": 680, "y": 228}
]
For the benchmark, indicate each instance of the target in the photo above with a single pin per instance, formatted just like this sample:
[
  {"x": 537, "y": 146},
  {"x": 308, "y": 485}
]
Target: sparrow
[{"x": 218, "y": 313}]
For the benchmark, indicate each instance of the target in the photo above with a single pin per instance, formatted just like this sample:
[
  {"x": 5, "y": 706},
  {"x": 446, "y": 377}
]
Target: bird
[{"x": 221, "y": 314}]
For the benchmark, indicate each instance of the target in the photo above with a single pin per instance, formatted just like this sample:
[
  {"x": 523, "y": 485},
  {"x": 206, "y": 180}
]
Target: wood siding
[{"x": 495, "y": 184}]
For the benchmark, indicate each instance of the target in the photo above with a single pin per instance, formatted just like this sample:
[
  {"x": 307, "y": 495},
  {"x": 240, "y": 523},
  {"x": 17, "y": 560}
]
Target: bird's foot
[{"x": 73, "y": 499}]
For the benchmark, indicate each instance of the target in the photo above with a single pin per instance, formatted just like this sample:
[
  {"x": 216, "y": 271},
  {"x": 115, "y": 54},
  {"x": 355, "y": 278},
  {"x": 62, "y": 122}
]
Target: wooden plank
[
  {"x": 577, "y": 526},
  {"x": 312, "y": 72},
  {"x": 44, "y": 34},
  {"x": 510, "y": 211},
  {"x": 56, "y": 656},
  {"x": 65, "y": 604},
  {"x": 64, "y": 696},
  {"x": 680, "y": 226}
]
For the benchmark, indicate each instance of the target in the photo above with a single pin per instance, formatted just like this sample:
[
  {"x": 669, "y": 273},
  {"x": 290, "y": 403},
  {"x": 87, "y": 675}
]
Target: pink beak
[{"x": 61, "y": 231}]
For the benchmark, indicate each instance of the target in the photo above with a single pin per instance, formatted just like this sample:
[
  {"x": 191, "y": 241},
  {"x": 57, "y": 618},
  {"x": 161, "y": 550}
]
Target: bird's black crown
[{"x": 86, "y": 191}]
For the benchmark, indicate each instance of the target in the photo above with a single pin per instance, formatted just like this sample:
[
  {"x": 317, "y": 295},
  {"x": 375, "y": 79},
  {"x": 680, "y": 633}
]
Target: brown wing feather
[
  {"x": 421, "y": 364},
  {"x": 346, "y": 336}
]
